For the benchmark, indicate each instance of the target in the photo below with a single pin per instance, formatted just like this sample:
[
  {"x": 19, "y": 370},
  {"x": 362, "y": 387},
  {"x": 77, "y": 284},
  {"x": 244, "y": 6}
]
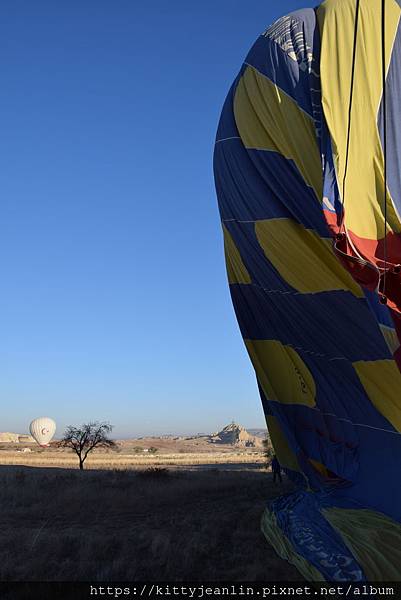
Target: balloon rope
[
  {"x": 384, "y": 138},
  {"x": 351, "y": 94}
]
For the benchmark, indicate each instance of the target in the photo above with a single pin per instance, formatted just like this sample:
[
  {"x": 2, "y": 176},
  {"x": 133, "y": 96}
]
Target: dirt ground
[{"x": 150, "y": 525}]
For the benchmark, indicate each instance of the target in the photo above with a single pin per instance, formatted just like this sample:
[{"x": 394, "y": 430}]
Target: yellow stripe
[
  {"x": 373, "y": 538},
  {"x": 382, "y": 382},
  {"x": 304, "y": 259},
  {"x": 268, "y": 119},
  {"x": 285, "y": 455},
  {"x": 236, "y": 270},
  {"x": 365, "y": 181},
  {"x": 320, "y": 467},
  {"x": 391, "y": 337},
  {"x": 282, "y": 374}
]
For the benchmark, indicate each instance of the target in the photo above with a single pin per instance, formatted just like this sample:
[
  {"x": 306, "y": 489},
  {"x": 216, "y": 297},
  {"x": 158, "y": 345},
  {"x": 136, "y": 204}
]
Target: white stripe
[
  {"x": 326, "y": 414},
  {"x": 234, "y": 137},
  {"x": 355, "y": 424}
]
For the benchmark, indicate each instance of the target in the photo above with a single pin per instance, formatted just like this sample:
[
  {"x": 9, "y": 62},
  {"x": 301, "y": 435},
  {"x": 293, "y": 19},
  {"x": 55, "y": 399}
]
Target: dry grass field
[
  {"x": 125, "y": 460},
  {"x": 134, "y": 454},
  {"x": 103, "y": 525}
]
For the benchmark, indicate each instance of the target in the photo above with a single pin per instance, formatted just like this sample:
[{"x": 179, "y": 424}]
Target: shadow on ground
[{"x": 59, "y": 524}]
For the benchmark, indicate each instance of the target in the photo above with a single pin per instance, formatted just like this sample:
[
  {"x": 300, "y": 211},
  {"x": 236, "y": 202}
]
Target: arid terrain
[
  {"x": 171, "y": 508},
  {"x": 63, "y": 524},
  {"x": 232, "y": 446}
]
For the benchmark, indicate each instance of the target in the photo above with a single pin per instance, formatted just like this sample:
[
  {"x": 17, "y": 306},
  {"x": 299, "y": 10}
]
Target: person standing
[{"x": 276, "y": 469}]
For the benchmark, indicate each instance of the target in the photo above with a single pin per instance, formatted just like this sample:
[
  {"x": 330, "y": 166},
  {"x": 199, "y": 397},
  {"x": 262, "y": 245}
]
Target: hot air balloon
[
  {"x": 307, "y": 167},
  {"x": 42, "y": 430}
]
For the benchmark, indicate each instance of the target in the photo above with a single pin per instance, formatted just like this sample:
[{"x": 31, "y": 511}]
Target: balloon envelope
[
  {"x": 300, "y": 179},
  {"x": 42, "y": 430}
]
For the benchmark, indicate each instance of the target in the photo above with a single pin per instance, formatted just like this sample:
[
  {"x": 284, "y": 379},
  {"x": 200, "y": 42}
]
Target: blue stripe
[
  {"x": 380, "y": 311},
  {"x": 330, "y": 184},
  {"x": 293, "y": 76},
  {"x": 393, "y": 113},
  {"x": 335, "y": 324},
  {"x": 261, "y": 271},
  {"x": 227, "y": 127},
  {"x": 253, "y": 185},
  {"x": 300, "y": 518}
]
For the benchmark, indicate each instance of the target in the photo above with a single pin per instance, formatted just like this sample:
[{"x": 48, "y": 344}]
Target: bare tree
[{"x": 86, "y": 438}]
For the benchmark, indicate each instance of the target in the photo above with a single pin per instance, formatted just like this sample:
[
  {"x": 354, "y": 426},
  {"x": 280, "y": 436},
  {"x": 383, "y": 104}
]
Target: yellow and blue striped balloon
[{"x": 307, "y": 169}]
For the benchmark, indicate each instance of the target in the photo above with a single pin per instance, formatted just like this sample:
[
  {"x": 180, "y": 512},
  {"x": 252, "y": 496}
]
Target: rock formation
[{"x": 235, "y": 435}]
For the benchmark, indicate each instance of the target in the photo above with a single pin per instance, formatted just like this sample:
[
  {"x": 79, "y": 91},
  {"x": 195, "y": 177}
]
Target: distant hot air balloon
[
  {"x": 307, "y": 168},
  {"x": 42, "y": 430}
]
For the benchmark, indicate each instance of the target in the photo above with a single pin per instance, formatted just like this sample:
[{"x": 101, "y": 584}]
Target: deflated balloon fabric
[{"x": 312, "y": 243}]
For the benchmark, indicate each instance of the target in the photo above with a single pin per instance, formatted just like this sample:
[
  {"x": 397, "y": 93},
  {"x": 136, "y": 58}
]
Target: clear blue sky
[{"x": 114, "y": 302}]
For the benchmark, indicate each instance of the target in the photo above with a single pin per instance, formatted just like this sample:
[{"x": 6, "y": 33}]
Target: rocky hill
[
  {"x": 6, "y": 436},
  {"x": 261, "y": 433},
  {"x": 15, "y": 438},
  {"x": 238, "y": 436}
]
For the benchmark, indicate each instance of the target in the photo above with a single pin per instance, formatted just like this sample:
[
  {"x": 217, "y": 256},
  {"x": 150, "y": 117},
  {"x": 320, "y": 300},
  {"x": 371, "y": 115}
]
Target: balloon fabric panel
[{"x": 322, "y": 344}]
